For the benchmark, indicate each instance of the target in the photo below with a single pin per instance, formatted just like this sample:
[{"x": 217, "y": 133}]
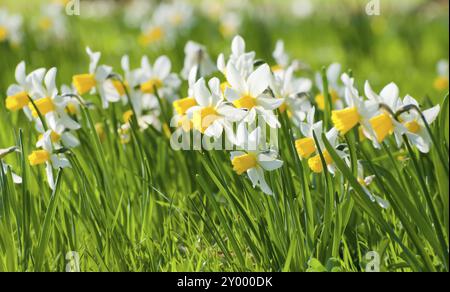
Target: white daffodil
[
  {"x": 230, "y": 23},
  {"x": 50, "y": 105},
  {"x": 287, "y": 87},
  {"x": 417, "y": 132},
  {"x": 156, "y": 34},
  {"x": 255, "y": 159},
  {"x": 145, "y": 106},
  {"x": 306, "y": 146},
  {"x": 3, "y": 152},
  {"x": 359, "y": 111},
  {"x": 177, "y": 14},
  {"x": 52, "y": 21},
  {"x": 365, "y": 182},
  {"x": 335, "y": 90},
  {"x": 159, "y": 77},
  {"x": 241, "y": 60},
  {"x": 18, "y": 94},
  {"x": 249, "y": 93},
  {"x": 183, "y": 105},
  {"x": 10, "y": 28},
  {"x": 97, "y": 80},
  {"x": 383, "y": 123},
  {"x": 136, "y": 12},
  {"x": 60, "y": 137},
  {"x": 212, "y": 115},
  {"x": 196, "y": 55},
  {"x": 441, "y": 82},
  {"x": 73, "y": 104},
  {"x": 49, "y": 156},
  {"x": 315, "y": 162},
  {"x": 280, "y": 55}
]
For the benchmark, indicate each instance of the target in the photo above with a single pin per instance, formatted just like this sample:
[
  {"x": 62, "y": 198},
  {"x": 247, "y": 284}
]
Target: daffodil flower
[
  {"x": 159, "y": 77},
  {"x": 145, "y": 106},
  {"x": 95, "y": 80},
  {"x": 306, "y": 146},
  {"x": 60, "y": 138},
  {"x": 183, "y": 105},
  {"x": 18, "y": 94},
  {"x": 212, "y": 115},
  {"x": 249, "y": 94},
  {"x": 441, "y": 82},
  {"x": 197, "y": 56},
  {"x": 46, "y": 155},
  {"x": 51, "y": 105},
  {"x": 52, "y": 21},
  {"x": 287, "y": 87},
  {"x": 280, "y": 56},
  {"x": 417, "y": 132},
  {"x": 334, "y": 88},
  {"x": 315, "y": 162},
  {"x": 241, "y": 60},
  {"x": 230, "y": 23},
  {"x": 384, "y": 124},
  {"x": 73, "y": 103},
  {"x": 255, "y": 160},
  {"x": 359, "y": 111},
  {"x": 177, "y": 14},
  {"x": 3, "y": 152},
  {"x": 10, "y": 28}
]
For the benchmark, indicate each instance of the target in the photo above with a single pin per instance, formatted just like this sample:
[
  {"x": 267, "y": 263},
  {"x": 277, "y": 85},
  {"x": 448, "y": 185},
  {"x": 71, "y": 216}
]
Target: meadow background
[{"x": 147, "y": 208}]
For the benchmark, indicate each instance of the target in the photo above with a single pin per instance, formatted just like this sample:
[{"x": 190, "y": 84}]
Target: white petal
[
  {"x": 20, "y": 73},
  {"x": 50, "y": 179},
  {"x": 201, "y": 93},
  {"x": 238, "y": 45},
  {"x": 269, "y": 163},
  {"x": 431, "y": 114},
  {"x": 408, "y": 100},
  {"x": 270, "y": 103},
  {"x": 231, "y": 94},
  {"x": 263, "y": 184},
  {"x": 235, "y": 79},
  {"x": 390, "y": 95},
  {"x": 369, "y": 92},
  {"x": 259, "y": 80},
  {"x": 69, "y": 140},
  {"x": 333, "y": 73},
  {"x": 162, "y": 67},
  {"x": 50, "y": 82},
  {"x": 421, "y": 144}
]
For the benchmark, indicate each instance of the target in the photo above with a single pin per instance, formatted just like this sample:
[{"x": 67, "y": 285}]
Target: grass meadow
[{"x": 125, "y": 200}]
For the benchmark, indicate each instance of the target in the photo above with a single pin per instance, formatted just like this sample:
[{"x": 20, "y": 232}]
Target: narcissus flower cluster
[{"x": 246, "y": 97}]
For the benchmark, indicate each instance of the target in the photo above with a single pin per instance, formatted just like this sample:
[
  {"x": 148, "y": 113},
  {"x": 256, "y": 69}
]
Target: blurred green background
[{"x": 403, "y": 44}]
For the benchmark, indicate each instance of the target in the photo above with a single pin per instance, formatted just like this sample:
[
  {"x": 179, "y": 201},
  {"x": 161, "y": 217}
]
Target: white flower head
[
  {"x": 249, "y": 93},
  {"x": 212, "y": 115},
  {"x": 17, "y": 94},
  {"x": 255, "y": 162},
  {"x": 50, "y": 105},
  {"x": 417, "y": 132},
  {"x": 10, "y": 27},
  {"x": 197, "y": 56}
]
